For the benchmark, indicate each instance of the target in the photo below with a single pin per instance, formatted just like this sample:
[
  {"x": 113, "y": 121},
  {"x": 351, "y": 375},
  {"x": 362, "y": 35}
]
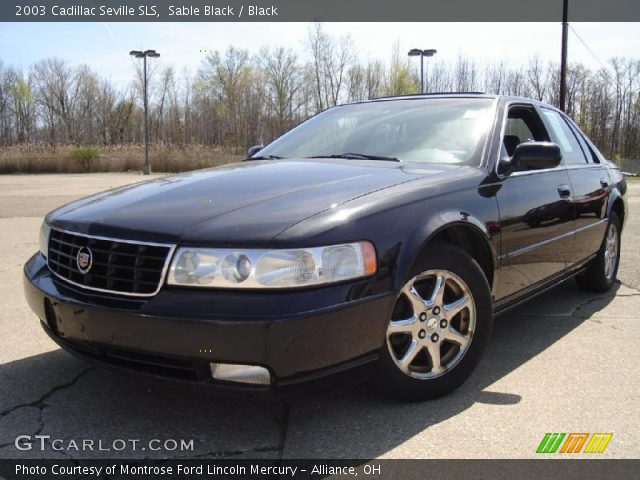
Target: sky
[{"x": 105, "y": 46}]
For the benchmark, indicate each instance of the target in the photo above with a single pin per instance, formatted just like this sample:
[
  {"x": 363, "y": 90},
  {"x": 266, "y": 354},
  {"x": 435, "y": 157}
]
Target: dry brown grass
[{"x": 163, "y": 158}]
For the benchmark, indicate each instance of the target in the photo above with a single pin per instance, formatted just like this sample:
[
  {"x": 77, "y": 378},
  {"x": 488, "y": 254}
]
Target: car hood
[{"x": 248, "y": 202}]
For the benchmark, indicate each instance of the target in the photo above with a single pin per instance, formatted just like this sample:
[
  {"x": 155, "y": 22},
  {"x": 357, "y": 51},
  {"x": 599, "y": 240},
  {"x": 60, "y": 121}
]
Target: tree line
[{"x": 237, "y": 99}]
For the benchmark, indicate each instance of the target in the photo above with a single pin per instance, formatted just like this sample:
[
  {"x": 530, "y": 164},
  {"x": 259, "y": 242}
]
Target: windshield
[{"x": 433, "y": 130}]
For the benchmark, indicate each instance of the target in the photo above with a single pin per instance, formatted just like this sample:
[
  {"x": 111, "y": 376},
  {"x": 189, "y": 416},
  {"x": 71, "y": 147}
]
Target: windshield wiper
[
  {"x": 264, "y": 157},
  {"x": 358, "y": 156}
]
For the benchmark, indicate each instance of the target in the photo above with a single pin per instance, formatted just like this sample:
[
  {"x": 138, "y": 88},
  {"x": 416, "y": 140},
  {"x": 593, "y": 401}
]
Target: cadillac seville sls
[{"x": 375, "y": 241}]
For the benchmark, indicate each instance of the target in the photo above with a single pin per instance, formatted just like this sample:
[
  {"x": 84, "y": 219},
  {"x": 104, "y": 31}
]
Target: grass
[{"x": 126, "y": 158}]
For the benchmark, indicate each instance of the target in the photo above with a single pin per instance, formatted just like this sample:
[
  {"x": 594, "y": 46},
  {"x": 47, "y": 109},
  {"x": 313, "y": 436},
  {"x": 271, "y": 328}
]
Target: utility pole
[
  {"x": 563, "y": 61},
  {"x": 139, "y": 54}
]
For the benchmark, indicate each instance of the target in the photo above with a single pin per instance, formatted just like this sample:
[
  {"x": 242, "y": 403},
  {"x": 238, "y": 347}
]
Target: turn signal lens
[{"x": 370, "y": 262}]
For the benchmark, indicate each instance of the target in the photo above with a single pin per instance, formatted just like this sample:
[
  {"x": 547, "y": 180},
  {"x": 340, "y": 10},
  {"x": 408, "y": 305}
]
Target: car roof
[{"x": 503, "y": 98}]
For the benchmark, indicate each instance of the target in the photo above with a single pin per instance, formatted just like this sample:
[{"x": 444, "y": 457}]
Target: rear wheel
[
  {"x": 602, "y": 271},
  {"x": 439, "y": 327}
]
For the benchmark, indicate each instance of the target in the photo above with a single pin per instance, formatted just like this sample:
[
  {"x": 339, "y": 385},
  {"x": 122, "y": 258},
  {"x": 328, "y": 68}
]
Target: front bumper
[{"x": 302, "y": 337}]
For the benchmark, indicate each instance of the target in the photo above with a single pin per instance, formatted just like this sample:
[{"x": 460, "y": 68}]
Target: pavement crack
[
  {"x": 604, "y": 298},
  {"x": 599, "y": 322},
  {"x": 235, "y": 453},
  {"x": 229, "y": 453},
  {"x": 41, "y": 402},
  {"x": 284, "y": 425},
  {"x": 586, "y": 303},
  {"x": 636, "y": 290}
]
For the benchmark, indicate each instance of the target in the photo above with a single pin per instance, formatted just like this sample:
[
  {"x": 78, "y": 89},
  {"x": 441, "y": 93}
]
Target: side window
[
  {"x": 515, "y": 133},
  {"x": 561, "y": 134},
  {"x": 523, "y": 125},
  {"x": 589, "y": 153}
]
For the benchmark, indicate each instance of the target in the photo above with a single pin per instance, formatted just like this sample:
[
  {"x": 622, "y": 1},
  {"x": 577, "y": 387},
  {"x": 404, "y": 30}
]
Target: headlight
[
  {"x": 45, "y": 230},
  {"x": 253, "y": 268}
]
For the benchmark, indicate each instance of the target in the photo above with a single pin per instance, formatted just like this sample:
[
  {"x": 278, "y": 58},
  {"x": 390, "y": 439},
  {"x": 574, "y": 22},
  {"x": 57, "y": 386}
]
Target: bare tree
[
  {"x": 57, "y": 94},
  {"x": 283, "y": 81},
  {"x": 236, "y": 99},
  {"x": 331, "y": 59},
  {"x": 399, "y": 79},
  {"x": 537, "y": 78},
  {"x": 23, "y": 105},
  {"x": 466, "y": 74},
  {"x": 496, "y": 78}
]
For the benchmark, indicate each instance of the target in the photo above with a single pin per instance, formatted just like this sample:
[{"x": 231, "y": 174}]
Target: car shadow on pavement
[
  {"x": 355, "y": 422},
  {"x": 55, "y": 394}
]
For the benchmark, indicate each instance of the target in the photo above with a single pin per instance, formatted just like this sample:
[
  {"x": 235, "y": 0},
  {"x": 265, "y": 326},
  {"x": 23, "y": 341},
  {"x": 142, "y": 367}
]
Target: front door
[{"x": 536, "y": 212}]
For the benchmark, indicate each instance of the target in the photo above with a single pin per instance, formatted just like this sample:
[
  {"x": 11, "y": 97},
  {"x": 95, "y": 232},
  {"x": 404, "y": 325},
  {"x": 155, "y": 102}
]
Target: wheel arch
[
  {"x": 457, "y": 228},
  {"x": 617, "y": 205}
]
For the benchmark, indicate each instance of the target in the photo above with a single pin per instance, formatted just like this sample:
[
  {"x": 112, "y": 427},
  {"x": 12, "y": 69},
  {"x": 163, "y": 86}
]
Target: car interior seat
[{"x": 510, "y": 143}]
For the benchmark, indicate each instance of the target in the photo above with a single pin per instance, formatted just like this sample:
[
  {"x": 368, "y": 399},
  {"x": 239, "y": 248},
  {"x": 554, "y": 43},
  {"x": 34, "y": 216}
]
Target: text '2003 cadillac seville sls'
[{"x": 375, "y": 241}]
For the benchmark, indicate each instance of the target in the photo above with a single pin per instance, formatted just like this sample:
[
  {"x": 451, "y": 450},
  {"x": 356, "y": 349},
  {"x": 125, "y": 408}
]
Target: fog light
[{"x": 229, "y": 372}]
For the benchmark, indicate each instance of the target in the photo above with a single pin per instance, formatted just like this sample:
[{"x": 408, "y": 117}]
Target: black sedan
[{"x": 375, "y": 241}]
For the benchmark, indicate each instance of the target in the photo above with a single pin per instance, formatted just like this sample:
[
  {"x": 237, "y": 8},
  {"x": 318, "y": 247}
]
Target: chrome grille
[{"x": 118, "y": 266}]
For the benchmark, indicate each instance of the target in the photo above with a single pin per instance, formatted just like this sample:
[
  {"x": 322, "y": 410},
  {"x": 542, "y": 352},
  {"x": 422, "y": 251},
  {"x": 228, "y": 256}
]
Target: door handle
[
  {"x": 564, "y": 191},
  {"x": 604, "y": 183}
]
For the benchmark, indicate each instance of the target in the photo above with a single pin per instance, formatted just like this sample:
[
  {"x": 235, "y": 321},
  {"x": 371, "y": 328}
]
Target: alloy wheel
[
  {"x": 611, "y": 251},
  {"x": 432, "y": 324}
]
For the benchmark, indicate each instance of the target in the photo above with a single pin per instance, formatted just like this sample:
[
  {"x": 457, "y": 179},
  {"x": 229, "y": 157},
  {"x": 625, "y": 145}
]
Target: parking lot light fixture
[
  {"x": 144, "y": 54},
  {"x": 417, "y": 52}
]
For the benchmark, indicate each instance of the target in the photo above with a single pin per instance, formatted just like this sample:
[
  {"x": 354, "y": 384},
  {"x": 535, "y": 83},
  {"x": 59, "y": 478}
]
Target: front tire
[
  {"x": 602, "y": 271},
  {"x": 439, "y": 328}
]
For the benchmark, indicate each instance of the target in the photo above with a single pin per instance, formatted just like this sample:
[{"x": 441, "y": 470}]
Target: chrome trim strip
[
  {"x": 503, "y": 129},
  {"x": 113, "y": 239},
  {"x": 486, "y": 148},
  {"x": 163, "y": 273},
  {"x": 522, "y": 173},
  {"x": 505, "y": 304},
  {"x": 586, "y": 227},
  {"x": 557, "y": 169},
  {"x": 576, "y": 166},
  {"x": 529, "y": 248}
]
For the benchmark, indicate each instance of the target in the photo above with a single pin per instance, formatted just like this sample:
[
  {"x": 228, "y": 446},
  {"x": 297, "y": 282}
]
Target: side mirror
[
  {"x": 253, "y": 150},
  {"x": 533, "y": 156}
]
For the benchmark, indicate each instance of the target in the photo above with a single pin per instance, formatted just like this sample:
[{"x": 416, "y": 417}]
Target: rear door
[
  {"x": 536, "y": 212},
  {"x": 590, "y": 181}
]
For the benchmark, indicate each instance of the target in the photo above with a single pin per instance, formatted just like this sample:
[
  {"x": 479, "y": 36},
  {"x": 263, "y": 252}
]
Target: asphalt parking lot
[{"x": 565, "y": 362}]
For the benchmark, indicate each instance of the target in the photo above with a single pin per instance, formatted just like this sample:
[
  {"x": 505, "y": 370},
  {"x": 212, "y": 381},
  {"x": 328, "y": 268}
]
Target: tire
[
  {"x": 533, "y": 223},
  {"x": 600, "y": 275},
  {"x": 423, "y": 324}
]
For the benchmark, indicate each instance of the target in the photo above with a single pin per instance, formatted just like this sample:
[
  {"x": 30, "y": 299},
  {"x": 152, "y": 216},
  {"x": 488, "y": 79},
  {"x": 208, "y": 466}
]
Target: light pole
[
  {"x": 414, "y": 52},
  {"x": 140, "y": 54}
]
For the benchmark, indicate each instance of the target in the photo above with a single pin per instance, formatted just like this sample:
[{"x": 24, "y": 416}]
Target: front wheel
[{"x": 439, "y": 327}]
